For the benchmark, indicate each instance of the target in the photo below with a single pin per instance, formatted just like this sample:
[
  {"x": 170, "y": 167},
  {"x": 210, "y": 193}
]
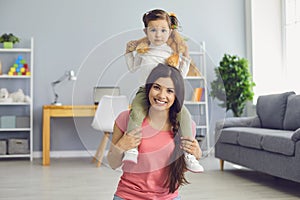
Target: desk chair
[{"x": 107, "y": 111}]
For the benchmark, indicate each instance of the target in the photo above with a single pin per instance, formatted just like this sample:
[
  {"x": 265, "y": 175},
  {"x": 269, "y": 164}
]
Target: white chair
[{"x": 107, "y": 111}]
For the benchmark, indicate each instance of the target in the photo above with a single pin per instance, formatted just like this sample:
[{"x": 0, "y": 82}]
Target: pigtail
[
  {"x": 177, "y": 168},
  {"x": 176, "y": 42}
]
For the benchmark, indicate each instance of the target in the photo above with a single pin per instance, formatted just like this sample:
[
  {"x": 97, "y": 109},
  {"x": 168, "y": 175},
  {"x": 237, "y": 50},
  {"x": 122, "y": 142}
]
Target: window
[
  {"x": 291, "y": 29},
  {"x": 273, "y": 45}
]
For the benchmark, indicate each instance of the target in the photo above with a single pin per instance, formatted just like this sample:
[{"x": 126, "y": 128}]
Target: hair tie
[
  {"x": 174, "y": 27},
  {"x": 171, "y": 14}
]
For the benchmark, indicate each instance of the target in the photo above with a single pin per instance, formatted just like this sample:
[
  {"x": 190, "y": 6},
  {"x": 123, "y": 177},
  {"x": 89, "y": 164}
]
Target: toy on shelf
[
  {"x": 14, "y": 97},
  {"x": 20, "y": 67}
]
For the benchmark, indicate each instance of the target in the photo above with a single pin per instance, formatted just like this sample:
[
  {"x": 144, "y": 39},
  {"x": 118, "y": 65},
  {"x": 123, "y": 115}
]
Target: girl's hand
[
  {"x": 191, "y": 146},
  {"x": 131, "y": 46},
  {"x": 130, "y": 140}
]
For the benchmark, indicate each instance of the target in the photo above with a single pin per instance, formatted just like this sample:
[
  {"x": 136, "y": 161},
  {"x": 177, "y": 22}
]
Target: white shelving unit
[
  {"x": 13, "y": 83},
  {"x": 199, "y": 109}
]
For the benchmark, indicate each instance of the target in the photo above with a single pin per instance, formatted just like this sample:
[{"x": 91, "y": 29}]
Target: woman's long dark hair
[{"x": 177, "y": 167}]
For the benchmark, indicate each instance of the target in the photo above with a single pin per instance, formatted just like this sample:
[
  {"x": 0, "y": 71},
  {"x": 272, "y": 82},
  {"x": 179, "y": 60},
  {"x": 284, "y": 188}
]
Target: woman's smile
[{"x": 160, "y": 102}]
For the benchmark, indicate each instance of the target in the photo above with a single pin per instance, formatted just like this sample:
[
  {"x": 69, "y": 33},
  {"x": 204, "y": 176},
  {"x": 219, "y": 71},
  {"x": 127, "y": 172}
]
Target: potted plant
[
  {"x": 8, "y": 40},
  {"x": 233, "y": 85}
]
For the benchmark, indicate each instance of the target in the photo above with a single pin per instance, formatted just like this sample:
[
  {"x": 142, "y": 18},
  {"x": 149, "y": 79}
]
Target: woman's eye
[
  {"x": 156, "y": 87},
  {"x": 170, "y": 91},
  {"x": 164, "y": 30}
]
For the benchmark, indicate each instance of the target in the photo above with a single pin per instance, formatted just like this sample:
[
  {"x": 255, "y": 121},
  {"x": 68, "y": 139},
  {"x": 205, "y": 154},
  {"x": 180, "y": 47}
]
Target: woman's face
[
  {"x": 158, "y": 32},
  {"x": 162, "y": 94}
]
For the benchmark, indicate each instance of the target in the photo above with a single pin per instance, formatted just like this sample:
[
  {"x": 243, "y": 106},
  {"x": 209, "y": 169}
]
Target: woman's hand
[
  {"x": 130, "y": 140},
  {"x": 191, "y": 146}
]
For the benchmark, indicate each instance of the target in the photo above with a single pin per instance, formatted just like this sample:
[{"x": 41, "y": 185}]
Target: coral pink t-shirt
[{"x": 147, "y": 179}]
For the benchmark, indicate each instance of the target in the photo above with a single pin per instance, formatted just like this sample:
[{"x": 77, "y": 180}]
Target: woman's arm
[{"x": 122, "y": 142}]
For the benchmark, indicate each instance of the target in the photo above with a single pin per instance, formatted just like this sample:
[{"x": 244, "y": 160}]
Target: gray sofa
[{"x": 268, "y": 142}]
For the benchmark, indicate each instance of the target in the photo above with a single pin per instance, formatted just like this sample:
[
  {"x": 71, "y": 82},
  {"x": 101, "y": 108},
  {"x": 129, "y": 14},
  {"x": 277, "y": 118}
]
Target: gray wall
[{"x": 72, "y": 34}]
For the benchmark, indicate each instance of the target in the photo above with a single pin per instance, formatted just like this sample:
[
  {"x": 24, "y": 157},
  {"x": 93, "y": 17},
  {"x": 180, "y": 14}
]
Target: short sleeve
[{"x": 122, "y": 120}]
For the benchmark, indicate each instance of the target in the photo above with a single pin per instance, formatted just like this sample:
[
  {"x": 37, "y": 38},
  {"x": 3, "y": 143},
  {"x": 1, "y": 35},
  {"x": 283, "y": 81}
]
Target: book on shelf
[{"x": 198, "y": 94}]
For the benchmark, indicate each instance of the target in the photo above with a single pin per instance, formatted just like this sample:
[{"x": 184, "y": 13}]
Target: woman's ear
[{"x": 145, "y": 30}]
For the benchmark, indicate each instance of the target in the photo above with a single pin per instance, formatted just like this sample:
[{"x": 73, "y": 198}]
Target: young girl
[
  {"x": 159, "y": 27},
  {"x": 161, "y": 167}
]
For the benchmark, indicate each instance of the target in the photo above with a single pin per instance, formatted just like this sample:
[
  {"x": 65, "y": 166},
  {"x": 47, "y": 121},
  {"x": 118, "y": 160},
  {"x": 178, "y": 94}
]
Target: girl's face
[
  {"x": 162, "y": 94},
  {"x": 158, "y": 32}
]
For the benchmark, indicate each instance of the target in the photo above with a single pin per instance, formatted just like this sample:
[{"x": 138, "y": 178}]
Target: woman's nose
[{"x": 162, "y": 94}]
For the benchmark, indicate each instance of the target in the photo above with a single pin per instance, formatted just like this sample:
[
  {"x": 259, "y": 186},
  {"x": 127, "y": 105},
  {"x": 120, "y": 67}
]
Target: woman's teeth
[{"x": 160, "y": 102}]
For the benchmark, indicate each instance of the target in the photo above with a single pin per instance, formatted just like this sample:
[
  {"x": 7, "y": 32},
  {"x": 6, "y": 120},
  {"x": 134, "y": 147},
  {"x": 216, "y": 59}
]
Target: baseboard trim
[{"x": 65, "y": 154}]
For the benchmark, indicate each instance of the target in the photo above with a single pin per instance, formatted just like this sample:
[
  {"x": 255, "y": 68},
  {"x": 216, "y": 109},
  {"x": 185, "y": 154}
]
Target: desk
[{"x": 61, "y": 111}]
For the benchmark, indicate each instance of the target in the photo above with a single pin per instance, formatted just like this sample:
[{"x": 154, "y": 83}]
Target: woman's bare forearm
[{"x": 115, "y": 156}]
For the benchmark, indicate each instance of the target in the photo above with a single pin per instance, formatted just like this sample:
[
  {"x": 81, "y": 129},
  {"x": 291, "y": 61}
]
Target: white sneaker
[
  {"x": 131, "y": 155},
  {"x": 192, "y": 164}
]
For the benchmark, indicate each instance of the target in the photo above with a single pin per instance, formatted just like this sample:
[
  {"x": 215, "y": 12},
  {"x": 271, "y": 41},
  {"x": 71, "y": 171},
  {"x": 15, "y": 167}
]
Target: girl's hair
[
  {"x": 158, "y": 14},
  {"x": 177, "y": 167}
]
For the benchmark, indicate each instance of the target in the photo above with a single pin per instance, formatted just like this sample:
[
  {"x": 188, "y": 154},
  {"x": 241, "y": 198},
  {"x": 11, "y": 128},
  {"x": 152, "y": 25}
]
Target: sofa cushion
[
  {"x": 271, "y": 109},
  {"x": 272, "y": 140},
  {"x": 250, "y": 137},
  {"x": 292, "y": 114},
  {"x": 279, "y": 143},
  {"x": 296, "y": 135},
  {"x": 228, "y": 135}
]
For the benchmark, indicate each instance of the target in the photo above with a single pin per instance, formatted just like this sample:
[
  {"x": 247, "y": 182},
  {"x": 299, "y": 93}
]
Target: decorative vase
[{"x": 8, "y": 45}]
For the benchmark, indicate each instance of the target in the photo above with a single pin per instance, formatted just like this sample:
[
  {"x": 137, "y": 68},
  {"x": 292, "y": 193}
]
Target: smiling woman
[{"x": 161, "y": 163}]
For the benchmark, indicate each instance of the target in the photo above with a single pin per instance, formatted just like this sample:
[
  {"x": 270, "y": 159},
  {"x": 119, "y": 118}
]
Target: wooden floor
[{"x": 78, "y": 178}]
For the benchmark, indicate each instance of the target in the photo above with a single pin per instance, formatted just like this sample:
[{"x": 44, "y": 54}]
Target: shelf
[
  {"x": 15, "y": 50},
  {"x": 194, "y": 102},
  {"x": 14, "y": 129},
  {"x": 15, "y": 156},
  {"x": 14, "y": 76},
  {"x": 24, "y": 108},
  {"x": 201, "y": 126},
  {"x": 14, "y": 104},
  {"x": 194, "y": 78}
]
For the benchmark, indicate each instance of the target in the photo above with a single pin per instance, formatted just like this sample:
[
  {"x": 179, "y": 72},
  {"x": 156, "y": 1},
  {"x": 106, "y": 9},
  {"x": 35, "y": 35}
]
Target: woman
[{"x": 161, "y": 167}]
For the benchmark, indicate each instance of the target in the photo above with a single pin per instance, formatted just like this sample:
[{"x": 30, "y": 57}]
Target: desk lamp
[{"x": 70, "y": 75}]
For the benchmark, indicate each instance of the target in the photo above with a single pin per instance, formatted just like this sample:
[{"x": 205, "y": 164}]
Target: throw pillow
[
  {"x": 292, "y": 114},
  {"x": 271, "y": 109}
]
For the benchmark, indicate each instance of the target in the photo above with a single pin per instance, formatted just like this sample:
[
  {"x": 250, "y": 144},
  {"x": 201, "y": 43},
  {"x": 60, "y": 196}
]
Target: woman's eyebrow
[{"x": 163, "y": 86}]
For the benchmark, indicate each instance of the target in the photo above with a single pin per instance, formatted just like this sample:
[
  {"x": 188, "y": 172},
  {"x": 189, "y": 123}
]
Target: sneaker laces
[
  {"x": 191, "y": 158},
  {"x": 135, "y": 151}
]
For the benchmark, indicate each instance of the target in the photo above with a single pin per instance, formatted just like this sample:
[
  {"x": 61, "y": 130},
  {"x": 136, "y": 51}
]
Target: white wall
[{"x": 66, "y": 31}]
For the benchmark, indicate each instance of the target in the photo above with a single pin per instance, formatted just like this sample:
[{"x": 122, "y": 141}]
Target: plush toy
[
  {"x": 19, "y": 96},
  {"x": 177, "y": 44},
  {"x": 4, "y": 95}
]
